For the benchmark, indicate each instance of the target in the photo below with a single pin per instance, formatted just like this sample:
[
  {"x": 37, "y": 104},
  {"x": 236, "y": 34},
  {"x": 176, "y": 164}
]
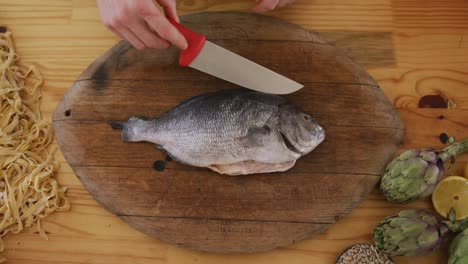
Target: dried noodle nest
[{"x": 28, "y": 188}]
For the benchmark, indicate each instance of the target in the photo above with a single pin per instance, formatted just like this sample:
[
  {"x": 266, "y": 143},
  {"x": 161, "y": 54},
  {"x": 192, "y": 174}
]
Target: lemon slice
[{"x": 451, "y": 192}]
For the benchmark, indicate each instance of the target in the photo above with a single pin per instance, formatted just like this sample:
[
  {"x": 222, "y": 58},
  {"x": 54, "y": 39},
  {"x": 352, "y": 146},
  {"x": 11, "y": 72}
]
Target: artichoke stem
[{"x": 454, "y": 150}]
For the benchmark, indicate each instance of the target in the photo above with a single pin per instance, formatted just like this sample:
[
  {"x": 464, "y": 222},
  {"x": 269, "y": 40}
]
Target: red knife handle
[{"x": 195, "y": 43}]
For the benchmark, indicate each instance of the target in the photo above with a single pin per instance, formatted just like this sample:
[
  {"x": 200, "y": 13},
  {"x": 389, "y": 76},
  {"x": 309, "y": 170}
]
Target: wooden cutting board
[{"x": 195, "y": 207}]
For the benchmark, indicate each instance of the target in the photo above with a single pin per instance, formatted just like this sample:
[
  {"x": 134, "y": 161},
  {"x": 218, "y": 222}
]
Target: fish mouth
[
  {"x": 289, "y": 145},
  {"x": 321, "y": 135}
]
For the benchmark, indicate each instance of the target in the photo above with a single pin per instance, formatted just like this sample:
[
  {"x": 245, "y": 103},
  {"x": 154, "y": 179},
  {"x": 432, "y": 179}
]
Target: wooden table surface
[{"x": 426, "y": 54}]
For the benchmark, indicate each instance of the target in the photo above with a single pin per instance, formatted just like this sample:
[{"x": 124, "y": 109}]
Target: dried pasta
[{"x": 28, "y": 188}]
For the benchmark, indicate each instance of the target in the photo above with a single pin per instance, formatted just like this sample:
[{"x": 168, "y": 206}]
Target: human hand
[
  {"x": 141, "y": 23},
  {"x": 268, "y": 5}
]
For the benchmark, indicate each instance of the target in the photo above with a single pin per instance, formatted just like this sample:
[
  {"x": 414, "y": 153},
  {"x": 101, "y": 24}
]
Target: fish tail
[
  {"x": 117, "y": 125},
  {"x": 124, "y": 134},
  {"x": 132, "y": 130}
]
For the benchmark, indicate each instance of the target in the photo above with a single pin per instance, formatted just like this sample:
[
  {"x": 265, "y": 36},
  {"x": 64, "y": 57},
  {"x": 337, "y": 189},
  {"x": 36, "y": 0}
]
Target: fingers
[
  {"x": 282, "y": 3},
  {"x": 141, "y": 23},
  {"x": 167, "y": 31},
  {"x": 132, "y": 38},
  {"x": 265, "y": 5},
  {"x": 268, "y": 5},
  {"x": 116, "y": 32},
  {"x": 170, "y": 9},
  {"x": 148, "y": 36}
]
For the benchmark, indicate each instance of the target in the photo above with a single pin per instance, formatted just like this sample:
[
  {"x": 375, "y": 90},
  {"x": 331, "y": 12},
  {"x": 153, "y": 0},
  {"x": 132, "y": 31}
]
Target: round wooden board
[{"x": 195, "y": 207}]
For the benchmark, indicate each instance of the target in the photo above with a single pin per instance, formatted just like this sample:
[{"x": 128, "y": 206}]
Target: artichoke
[
  {"x": 411, "y": 232},
  {"x": 414, "y": 174},
  {"x": 458, "y": 250}
]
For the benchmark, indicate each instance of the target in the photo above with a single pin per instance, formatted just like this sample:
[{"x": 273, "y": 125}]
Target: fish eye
[{"x": 306, "y": 118}]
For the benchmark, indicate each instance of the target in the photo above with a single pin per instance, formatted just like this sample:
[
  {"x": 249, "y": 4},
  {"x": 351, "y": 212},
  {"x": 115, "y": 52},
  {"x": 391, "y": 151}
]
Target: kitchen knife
[{"x": 210, "y": 58}]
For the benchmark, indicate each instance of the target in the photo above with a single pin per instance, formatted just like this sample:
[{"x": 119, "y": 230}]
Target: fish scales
[{"x": 240, "y": 131}]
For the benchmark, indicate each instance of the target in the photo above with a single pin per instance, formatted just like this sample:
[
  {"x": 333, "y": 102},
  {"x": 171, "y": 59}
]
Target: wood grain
[
  {"x": 301, "y": 57},
  {"x": 282, "y": 207},
  {"x": 290, "y": 198},
  {"x": 320, "y": 98},
  {"x": 370, "y": 49},
  {"x": 63, "y": 36},
  {"x": 260, "y": 234},
  {"x": 104, "y": 148}
]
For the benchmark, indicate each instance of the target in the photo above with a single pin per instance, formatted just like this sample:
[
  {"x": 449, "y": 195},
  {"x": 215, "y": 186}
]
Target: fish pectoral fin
[
  {"x": 161, "y": 147},
  {"x": 250, "y": 167},
  {"x": 255, "y": 136}
]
